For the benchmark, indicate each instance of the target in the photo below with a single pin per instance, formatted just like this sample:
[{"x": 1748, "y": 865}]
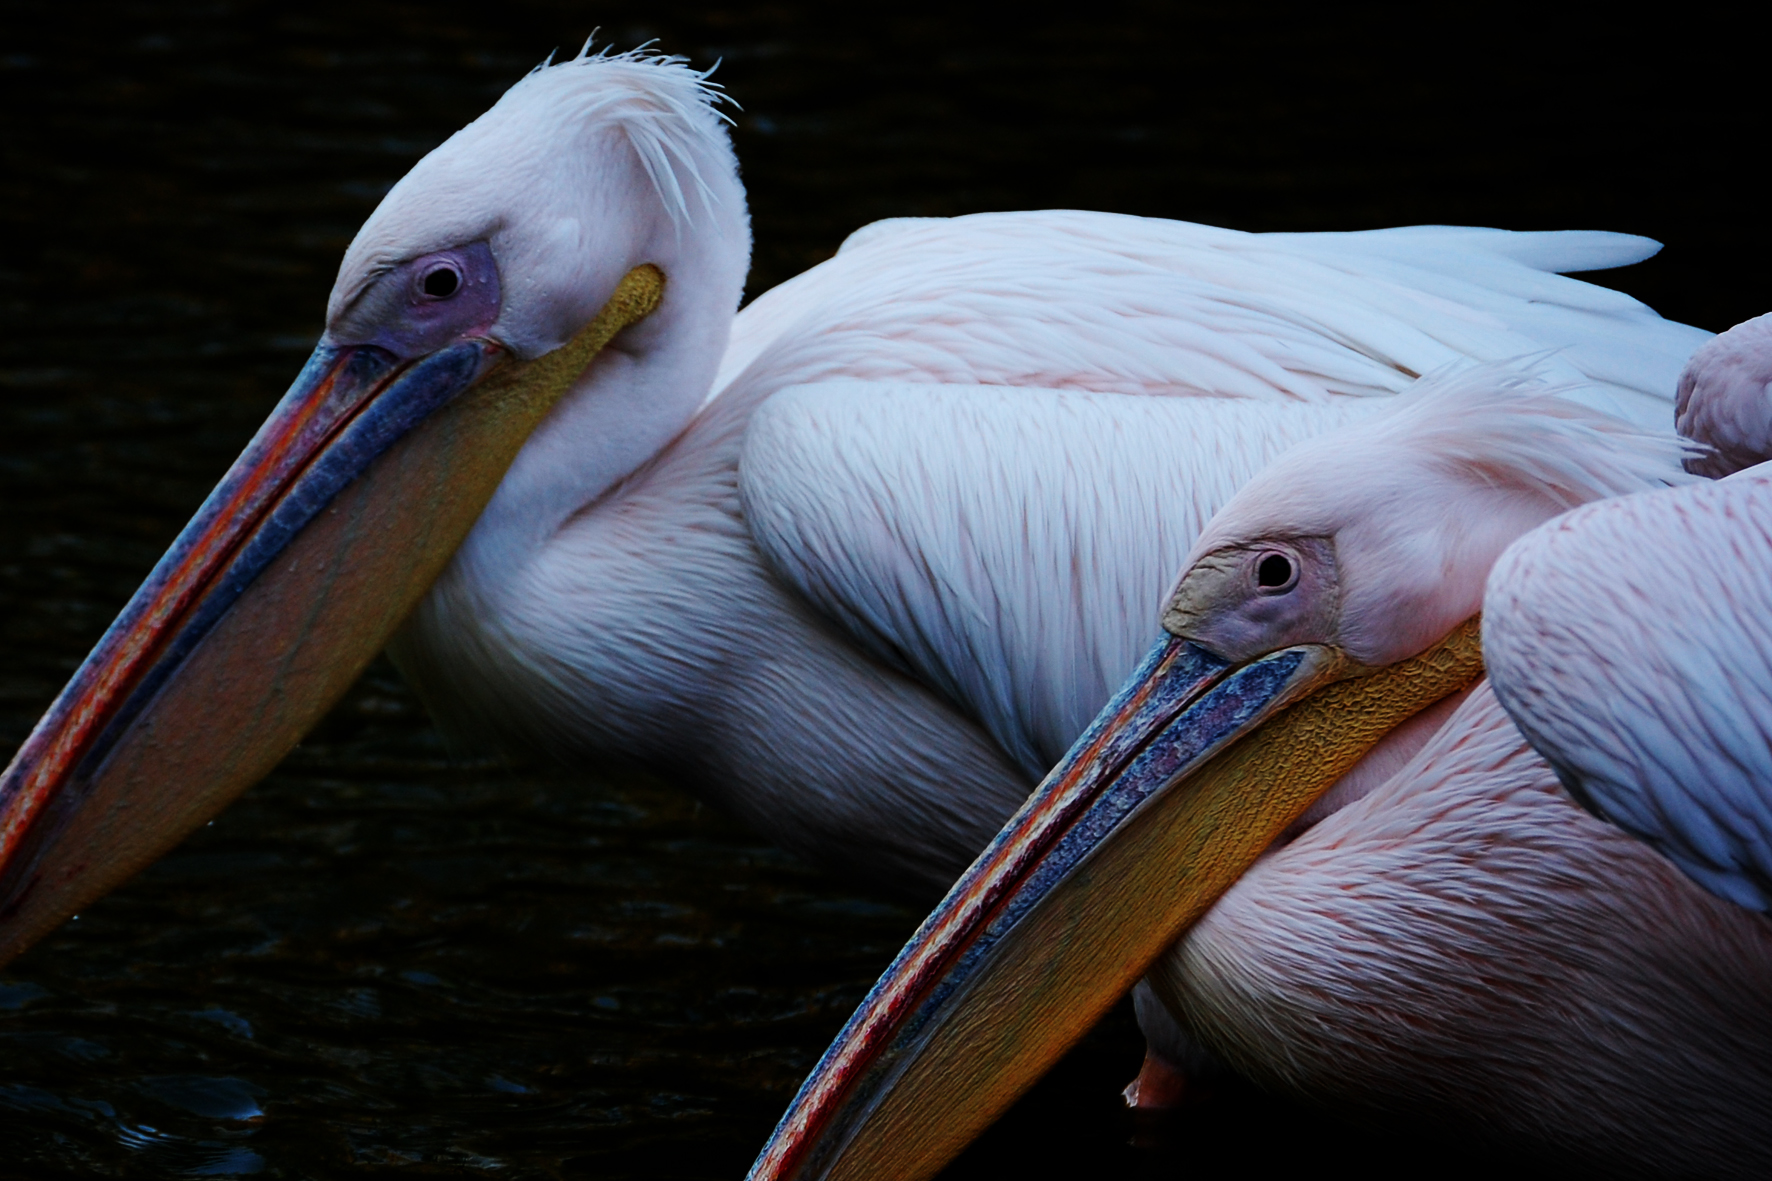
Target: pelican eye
[
  {"x": 441, "y": 283},
  {"x": 1275, "y": 573}
]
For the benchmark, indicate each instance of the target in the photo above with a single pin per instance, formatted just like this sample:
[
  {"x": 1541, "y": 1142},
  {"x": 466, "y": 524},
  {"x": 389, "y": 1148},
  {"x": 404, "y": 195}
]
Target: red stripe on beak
[{"x": 282, "y": 449}]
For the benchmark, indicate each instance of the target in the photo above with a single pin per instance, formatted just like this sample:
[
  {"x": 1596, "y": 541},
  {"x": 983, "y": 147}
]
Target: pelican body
[
  {"x": 1629, "y": 639},
  {"x": 859, "y": 562},
  {"x": 1346, "y": 872}
]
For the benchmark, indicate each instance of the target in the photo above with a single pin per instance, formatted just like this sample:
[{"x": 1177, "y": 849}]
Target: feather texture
[
  {"x": 1632, "y": 642},
  {"x": 871, "y": 640},
  {"x": 1116, "y": 304},
  {"x": 1010, "y": 547},
  {"x": 613, "y": 600},
  {"x": 1466, "y": 914},
  {"x": 1724, "y": 399}
]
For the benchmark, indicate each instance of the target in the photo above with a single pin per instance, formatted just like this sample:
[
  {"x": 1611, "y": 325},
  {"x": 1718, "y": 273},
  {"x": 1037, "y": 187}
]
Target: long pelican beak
[
  {"x": 1187, "y": 776},
  {"x": 314, "y": 547}
]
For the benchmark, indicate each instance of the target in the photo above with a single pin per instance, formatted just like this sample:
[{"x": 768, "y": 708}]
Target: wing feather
[
  {"x": 1116, "y": 304},
  {"x": 1632, "y": 643},
  {"x": 1009, "y": 547}
]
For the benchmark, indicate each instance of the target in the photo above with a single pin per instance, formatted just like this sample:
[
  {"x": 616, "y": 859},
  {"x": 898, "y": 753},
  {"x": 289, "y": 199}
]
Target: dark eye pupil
[
  {"x": 441, "y": 283},
  {"x": 1274, "y": 570}
]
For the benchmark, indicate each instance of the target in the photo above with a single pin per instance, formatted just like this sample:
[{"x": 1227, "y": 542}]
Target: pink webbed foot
[{"x": 1160, "y": 1086}]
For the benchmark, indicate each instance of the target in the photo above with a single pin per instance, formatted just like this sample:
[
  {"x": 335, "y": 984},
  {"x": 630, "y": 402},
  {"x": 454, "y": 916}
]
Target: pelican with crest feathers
[{"x": 858, "y": 562}]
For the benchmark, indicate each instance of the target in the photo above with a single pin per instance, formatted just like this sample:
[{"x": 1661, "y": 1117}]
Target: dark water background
[{"x": 382, "y": 961}]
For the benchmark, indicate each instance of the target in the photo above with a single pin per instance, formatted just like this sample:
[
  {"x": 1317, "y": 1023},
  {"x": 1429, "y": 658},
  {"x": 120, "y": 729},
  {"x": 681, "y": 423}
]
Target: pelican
[
  {"x": 1385, "y": 901},
  {"x": 857, "y": 563},
  {"x": 1629, "y": 639}
]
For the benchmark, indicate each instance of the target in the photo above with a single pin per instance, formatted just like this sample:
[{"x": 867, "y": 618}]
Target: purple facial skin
[{"x": 420, "y": 306}]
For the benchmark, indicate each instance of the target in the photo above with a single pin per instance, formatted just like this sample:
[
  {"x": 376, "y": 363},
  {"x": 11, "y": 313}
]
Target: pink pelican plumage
[
  {"x": 1631, "y": 640},
  {"x": 871, "y": 635},
  {"x": 1385, "y": 901},
  {"x": 858, "y": 563}
]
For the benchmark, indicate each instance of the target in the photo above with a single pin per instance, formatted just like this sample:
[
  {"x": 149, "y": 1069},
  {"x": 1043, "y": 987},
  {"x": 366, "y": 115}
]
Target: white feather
[
  {"x": 1557, "y": 984},
  {"x": 954, "y": 577},
  {"x": 1010, "y": 547},
  {"x": 612, "y": 601},
  {"x": 1119, "y": 304},
  {"x": 1632, "y": 642}
]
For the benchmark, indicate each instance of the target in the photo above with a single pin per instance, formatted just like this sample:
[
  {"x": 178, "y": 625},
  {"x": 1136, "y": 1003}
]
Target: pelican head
[
  {"x": 1329, "y": 603},
  {"x": 1379, "y": 545},
  {"x": 557, "y": 276},
  {"x": 1724, "y": 399}
]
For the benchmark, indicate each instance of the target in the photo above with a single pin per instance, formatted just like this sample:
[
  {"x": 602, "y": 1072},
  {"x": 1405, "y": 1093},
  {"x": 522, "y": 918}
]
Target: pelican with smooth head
[{"x": 1344, "y": 869}]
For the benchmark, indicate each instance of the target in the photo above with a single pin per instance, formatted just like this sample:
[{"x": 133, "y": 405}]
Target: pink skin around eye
[{"x": 411, "y": 322}]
